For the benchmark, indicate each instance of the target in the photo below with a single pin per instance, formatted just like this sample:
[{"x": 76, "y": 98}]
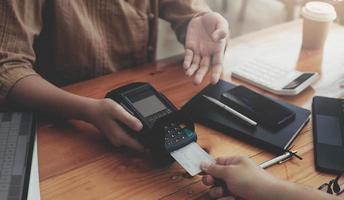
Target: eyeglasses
[{"x": 335, "y": 186}]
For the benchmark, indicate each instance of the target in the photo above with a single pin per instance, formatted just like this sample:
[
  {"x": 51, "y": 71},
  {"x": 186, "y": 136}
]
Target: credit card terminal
[{"x": 164, "y": 128}]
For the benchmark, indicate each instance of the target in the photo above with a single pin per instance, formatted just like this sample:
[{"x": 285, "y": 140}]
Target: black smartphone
[{"x": 258, "y": 107}]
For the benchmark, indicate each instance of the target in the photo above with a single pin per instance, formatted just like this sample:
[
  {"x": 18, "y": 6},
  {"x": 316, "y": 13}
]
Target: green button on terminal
[{"x": 188, "y": 132}]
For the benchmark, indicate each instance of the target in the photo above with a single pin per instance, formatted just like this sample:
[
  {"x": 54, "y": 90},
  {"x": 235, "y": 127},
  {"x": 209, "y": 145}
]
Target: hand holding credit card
[
  {"x": 190, "y": 158},
  {"x": 192, "y": 155}
]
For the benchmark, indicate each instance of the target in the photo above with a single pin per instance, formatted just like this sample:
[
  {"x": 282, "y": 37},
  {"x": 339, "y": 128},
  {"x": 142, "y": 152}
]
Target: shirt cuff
[{"x": 9, "y": 77}]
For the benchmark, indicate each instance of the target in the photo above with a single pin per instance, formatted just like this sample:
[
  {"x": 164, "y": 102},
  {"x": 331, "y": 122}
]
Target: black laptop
[{"x": 17, "y": 136}]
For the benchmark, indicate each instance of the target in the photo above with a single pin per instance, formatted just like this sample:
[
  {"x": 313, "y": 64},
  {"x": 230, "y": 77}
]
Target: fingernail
[
  {"x": 205, "y": 166},
  {"x": 197, "y": 82},
  {"x": 138, "y": 125},
  {"x": 215, "y": 79}
]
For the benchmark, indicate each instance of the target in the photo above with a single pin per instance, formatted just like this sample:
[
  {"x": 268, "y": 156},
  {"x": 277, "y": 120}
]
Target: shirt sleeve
[
  {"x": 20, "y": 23},
  {"x": 180, "y": 12}
]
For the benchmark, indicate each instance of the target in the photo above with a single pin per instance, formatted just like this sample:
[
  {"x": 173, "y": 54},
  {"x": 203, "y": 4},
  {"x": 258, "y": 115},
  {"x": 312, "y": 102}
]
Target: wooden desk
[{"x": 76, "y": 162}]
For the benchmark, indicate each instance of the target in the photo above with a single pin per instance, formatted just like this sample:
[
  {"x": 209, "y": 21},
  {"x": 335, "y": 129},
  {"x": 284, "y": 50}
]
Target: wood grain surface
[{"x": 77, "y": 162}]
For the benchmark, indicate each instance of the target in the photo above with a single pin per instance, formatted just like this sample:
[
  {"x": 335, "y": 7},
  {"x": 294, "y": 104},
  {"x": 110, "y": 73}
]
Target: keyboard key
[
  {"x": 5, "y": 179},
  {"x": 6, "y": 117},
  {"x": 16, "y": 180},
  {"x": 20, "y": 157},
  {"x": 6, "y": 172},
  {"x": 24, "y": 129},
  {"x": 14, "y": 192}
]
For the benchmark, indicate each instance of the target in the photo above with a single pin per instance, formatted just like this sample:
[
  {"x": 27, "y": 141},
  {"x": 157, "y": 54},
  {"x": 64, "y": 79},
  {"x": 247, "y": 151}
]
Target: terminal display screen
[{"x": 147, "y": 103}]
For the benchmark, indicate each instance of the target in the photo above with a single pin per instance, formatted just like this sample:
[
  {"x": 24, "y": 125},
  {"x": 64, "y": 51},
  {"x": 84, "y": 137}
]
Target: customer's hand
[
  {"x": 205, "y": 43},
  {"x": 244, "y": 178},
  {"x": 105, "y": 115}
]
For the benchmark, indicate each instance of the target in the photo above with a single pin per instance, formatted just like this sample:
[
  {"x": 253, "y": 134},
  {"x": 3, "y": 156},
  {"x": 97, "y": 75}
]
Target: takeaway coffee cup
[{"x": 317, "y": 18}]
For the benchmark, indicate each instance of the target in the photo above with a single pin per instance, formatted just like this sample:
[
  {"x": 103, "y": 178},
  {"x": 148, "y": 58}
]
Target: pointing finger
[
  {"x": 229, "y": 160},
  {"x": 194, "y": 66},
  {"x": 119, "y": 137},
  {"x": 216, "y": 192},
  {"x": 208, "y": 180},
  {"x": 122, "y": 115},
  {"x": 218, "y": 171},
  {"x": 217, "y": 67},
  {"x": 218, "y": 35},
  {"x": 126, "y": 140},
  {"x": 221, "y": 30},
  {"x": 188, "y": 58},
  {"x": 204, "y": 67}
]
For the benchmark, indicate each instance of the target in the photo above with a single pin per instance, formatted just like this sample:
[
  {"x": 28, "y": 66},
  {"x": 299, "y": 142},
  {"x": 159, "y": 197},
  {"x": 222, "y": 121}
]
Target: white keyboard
[{"x": 274, "y": 79}]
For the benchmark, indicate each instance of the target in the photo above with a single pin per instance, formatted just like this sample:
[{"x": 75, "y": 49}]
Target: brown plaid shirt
[{"x": 67, "y": 41}]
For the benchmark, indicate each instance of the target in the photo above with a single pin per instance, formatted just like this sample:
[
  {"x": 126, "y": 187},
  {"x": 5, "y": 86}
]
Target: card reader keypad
[{"x": 177, "y": 137}]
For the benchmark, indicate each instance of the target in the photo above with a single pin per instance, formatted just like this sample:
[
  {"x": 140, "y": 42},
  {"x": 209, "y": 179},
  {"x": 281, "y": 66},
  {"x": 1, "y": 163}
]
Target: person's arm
[
  {"x": 38, "y": 94},
  {"x": 245, "y": 179},
  {"x": 204, "y": 34},
  {"x": 21, "y": 22}
]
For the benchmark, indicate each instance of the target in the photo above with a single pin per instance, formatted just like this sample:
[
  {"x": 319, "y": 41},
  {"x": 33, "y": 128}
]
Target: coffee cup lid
[{"x": 319, "y": 11}]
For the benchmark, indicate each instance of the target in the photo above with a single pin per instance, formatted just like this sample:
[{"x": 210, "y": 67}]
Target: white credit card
[{"x": 190, "y": 158}]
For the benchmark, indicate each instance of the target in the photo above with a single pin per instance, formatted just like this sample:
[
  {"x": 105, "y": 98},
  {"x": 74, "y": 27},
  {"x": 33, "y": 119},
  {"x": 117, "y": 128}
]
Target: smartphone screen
[
  {"x": 298, "y": 81},
  {"x": 257, "y": 106}
]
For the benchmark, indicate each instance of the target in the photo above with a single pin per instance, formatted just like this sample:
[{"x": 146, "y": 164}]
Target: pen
[
  {"x": 277, "y": 159},
  {"x": 231, "y": 110}
]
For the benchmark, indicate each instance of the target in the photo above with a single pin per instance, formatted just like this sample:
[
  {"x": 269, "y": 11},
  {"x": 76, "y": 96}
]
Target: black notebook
[{"x": 275, "y": 140}]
